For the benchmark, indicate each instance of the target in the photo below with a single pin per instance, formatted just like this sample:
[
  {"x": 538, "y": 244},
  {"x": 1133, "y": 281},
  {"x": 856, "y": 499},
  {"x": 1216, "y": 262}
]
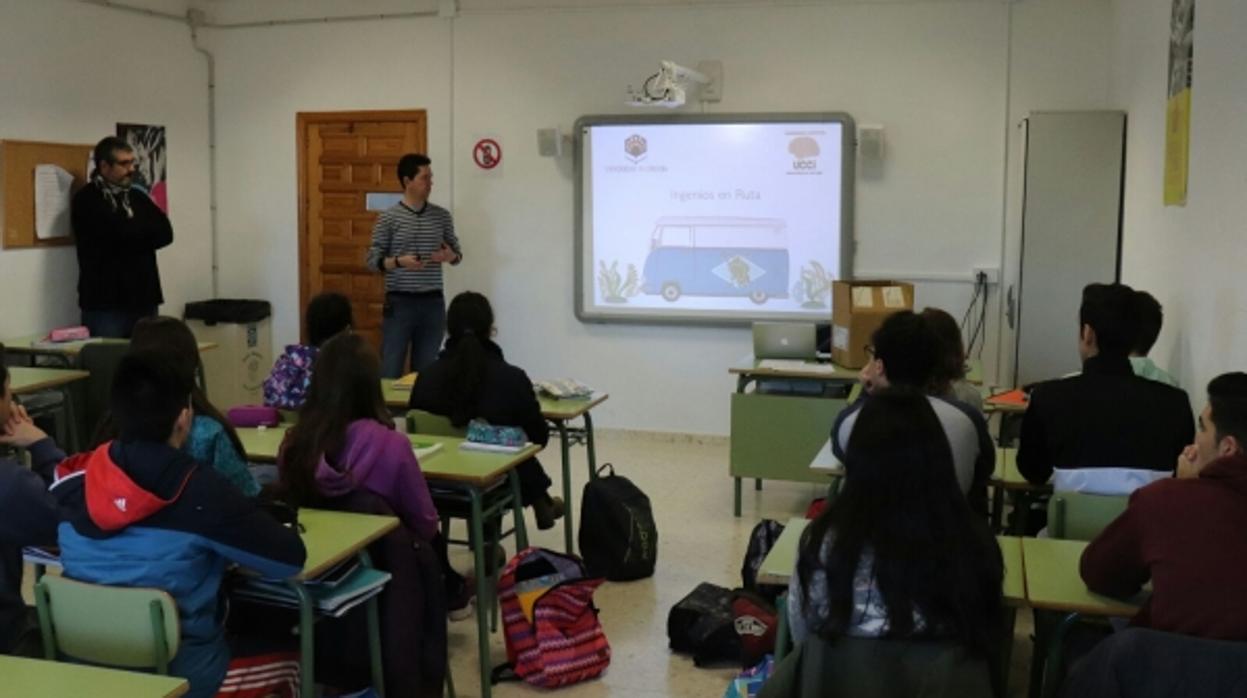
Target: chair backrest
[
  {"x": 101, "y": 360},
  {"x": 1081, "y": 516},
  {"x": 115, "y": 626},
  {"x": 422, "y": 422}
]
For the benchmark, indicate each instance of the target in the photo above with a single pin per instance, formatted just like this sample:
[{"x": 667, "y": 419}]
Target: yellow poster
[{"x": 1178, "y": 110}]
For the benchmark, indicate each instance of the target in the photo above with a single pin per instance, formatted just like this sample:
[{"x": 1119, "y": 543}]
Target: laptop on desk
[{"x": 784, "y": 340}]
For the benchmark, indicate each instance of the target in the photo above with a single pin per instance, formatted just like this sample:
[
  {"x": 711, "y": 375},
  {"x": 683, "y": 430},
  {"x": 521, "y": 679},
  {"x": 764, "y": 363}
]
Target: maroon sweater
[{"x": 1190, "y": 538}]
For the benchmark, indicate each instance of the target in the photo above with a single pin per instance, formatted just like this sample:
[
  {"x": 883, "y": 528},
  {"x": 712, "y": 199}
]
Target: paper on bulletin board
[{"x": 53, "y": 190}]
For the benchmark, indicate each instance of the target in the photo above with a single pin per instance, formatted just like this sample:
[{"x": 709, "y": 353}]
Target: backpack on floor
[
  {"x": 756, "y": 622},
  {"x": 549, "y": 621},
  {"x": 702, "y": 625},
  {"x": 618, "y": 538},
  {"x": 761, "y": 540}
]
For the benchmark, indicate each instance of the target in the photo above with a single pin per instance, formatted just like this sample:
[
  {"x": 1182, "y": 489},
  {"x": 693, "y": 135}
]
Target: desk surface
[
  {"x": 24, "y": 380},
  {"x": 38, "y": 677},
  {"x": 779, "y": 564},
  {"x": 450, "y": 463},
  {"x": 814, "y": 370},
  {"x": 558, "y": 410},
  {"x": 33, "y": 344},
  {"x": 1015, "y": 570},
  {"x": 1053, "y": 582},
  {"x": 332, "y": 536}
]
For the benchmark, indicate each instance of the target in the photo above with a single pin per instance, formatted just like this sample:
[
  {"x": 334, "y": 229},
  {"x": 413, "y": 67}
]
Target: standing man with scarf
[{"x": 117, "y": 232}]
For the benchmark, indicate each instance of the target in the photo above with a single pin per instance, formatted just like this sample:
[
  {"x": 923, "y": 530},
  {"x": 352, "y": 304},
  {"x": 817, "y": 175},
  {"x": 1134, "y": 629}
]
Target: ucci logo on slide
[
  {"x": 805, "y": 152},
  {"x": 636, "y": 147}
]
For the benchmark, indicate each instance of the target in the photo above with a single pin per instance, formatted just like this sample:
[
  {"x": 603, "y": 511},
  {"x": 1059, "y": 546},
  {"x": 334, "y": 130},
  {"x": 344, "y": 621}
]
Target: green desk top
[
  {"x": 779, "y": 564},
  {"x": 558, "y": 410},
  {"x": 450, "y": 463},
  {"x": 38, "y": 677},
  {"x": 1053, "y": 582},
  {"x": 34, "y": 344},
  {"x": 24, "y": 380},
  {"x": 785, "y": 368},
  {"x": 1015, "y": 571},
  {"x": 332, "y": 536},
  {"x": 1007, "y": 476}
]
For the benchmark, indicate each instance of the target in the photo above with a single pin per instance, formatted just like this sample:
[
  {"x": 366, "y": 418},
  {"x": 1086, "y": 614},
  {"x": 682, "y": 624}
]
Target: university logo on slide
[
  {"x": 805, "y": 152},
  {"x": 738, "y": 271},
  {"x": 635, "y": 147}
]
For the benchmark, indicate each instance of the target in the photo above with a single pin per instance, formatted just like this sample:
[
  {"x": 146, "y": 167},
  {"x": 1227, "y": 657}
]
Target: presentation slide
[{"x": 720, "y": 222}]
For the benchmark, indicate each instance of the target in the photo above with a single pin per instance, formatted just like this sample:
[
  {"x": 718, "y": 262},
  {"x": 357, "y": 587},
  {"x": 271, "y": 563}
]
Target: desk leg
[
  {"x": 781, "y": 627},
  {"x": 517, "y": 508},
  {"x": 1006, "y": 652},
  {"x": 566, "y": 448},
  {"x": 483, "y": 600},
  {"x": 757, "y": 484},
  {"x": 736, "y": 508},
  {"x": 1053, "y": 671},
  {"x": 374, "y": 634},
  {"x": 590, "y": 447},
  {"x": 307, "y": 643},
  {"x": 998, "y": 507}
]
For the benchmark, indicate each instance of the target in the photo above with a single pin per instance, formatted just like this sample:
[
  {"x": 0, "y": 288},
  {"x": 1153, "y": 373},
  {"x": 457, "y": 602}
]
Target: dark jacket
[
  {"x": 116, "y": 253},
  {"x": 1187, "y": 537},
  {"x": 1105, "y": 417},
  {"x": 27, "y": 517},
  {"x": 871, "y": 668},
  {"x": 147, "y": 515},
  {"x": 1177, "y": 667},
  {"x": 506, "y": 398}
]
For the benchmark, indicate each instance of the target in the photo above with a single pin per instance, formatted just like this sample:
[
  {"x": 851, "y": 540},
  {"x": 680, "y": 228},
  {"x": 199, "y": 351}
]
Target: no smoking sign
[{"x": 487, "y": 154}]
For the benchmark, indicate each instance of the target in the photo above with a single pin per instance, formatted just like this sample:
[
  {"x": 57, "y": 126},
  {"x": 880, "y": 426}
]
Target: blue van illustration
[{"x": 717, "y": 256}]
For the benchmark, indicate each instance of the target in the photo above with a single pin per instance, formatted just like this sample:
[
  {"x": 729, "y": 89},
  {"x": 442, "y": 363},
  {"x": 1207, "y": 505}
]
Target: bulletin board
[{"x": 17, "y": 186}]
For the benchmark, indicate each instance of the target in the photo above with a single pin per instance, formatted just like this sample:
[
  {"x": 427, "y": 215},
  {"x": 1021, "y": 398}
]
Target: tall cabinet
[{"x": 1071, "y": 233}]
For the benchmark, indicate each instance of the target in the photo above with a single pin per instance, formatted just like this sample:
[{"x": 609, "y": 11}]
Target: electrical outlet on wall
[{"x": 992, "y": 274}]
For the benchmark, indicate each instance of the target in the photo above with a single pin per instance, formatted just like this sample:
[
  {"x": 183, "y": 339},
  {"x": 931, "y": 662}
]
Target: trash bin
[{"x": 234, "y": 370}]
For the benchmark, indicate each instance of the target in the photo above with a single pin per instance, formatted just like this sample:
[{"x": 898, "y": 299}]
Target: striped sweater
[{"x": 401, "y": 230}]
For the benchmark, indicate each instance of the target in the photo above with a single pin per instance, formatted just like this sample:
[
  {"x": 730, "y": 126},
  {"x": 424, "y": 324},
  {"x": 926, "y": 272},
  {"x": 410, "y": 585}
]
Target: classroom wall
[
  {"x": 935, "y": 74},
  {"x": 68, "y": 73},
  {"x": 1191, "y": 257}
]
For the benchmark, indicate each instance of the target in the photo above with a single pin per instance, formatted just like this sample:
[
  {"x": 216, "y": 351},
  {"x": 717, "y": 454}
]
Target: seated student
[
  {"x": 1148, "y": 318},
  {"x": 213, "y": 440},
  {"x": 328, "y": 314},
  {"x": 471, "y": 380},
  {"x": 140, "y": 512},
  {"x": 949, "y": 380},
  {"x": 1104, "y": 430},
  {"x": 899, "y": 554},
  {"x": 904, "y": 354},
  {"x": 1185, "y": 533},
  {"x": 27, "y": 515}
]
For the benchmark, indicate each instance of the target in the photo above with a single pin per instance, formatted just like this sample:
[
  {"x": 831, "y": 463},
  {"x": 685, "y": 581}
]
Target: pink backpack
[{"x": 550, "y": 623}]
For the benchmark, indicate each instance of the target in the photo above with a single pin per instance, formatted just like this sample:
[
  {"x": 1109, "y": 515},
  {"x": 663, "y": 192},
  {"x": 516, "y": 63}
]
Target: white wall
[
  {"x": 68, "y": 73},
  {"x": 1190, "y": 258},
  {"x": 933, "y": 73}
]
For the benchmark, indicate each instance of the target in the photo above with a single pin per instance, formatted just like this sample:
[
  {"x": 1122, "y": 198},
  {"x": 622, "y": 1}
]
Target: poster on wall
[
  {"x": 150, "y": 150},
  {"x": 1178, "y": 110}
]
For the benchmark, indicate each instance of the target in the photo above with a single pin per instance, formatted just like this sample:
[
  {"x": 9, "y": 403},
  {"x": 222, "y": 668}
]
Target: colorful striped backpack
[{"x": 550, "y": 623}]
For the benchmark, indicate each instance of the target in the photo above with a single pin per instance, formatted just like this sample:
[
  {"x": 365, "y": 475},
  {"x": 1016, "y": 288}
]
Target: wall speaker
[{"x": 549, "y": 142}]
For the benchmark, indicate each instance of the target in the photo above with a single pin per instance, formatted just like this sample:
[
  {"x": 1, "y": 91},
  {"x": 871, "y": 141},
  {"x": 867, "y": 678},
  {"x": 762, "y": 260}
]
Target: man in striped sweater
[{"x": 410, "y": 243}]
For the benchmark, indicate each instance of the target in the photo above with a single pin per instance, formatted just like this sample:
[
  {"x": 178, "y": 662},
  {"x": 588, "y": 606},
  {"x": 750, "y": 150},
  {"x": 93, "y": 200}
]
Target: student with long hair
[
  {"x": 899, "y": 554},
  {"x": 949, "y": 379},
  {"x": 213, "y": 440},
  {"x": 472, "y": 380}
]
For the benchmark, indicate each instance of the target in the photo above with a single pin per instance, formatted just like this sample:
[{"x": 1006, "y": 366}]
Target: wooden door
[{"x": 343, "y": 158}]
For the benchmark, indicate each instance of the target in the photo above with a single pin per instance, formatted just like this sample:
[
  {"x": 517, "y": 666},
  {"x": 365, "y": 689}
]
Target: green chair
[
  {"x": 1080, "y": 516},
  {"x": 423, "y": 422},
  {"x": 132, "y": 628}
]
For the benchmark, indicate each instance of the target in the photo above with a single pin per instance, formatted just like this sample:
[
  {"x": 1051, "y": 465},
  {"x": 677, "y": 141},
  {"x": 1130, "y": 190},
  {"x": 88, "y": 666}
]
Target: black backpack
[
  {"x": 761, "y": 540},
  {"x": 703, "y": 624},
  {"x": 618, "y": 538}
]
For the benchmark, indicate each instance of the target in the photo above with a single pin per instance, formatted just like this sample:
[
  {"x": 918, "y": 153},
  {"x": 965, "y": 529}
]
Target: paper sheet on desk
[
  {"x": 53, "y": 189},
  {"x": 796, "y": 365}
]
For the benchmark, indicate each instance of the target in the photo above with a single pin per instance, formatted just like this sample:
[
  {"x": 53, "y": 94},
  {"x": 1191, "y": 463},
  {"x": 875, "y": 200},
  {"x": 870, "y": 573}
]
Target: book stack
[{"x": 342, "y": 588}]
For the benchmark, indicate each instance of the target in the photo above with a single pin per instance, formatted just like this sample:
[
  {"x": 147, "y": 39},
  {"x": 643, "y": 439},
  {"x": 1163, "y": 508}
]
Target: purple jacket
[{"x": 382, "y": 461}]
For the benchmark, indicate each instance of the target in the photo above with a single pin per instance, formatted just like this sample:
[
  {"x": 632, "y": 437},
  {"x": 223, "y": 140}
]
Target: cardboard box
[{"x": 858, "y": 308}]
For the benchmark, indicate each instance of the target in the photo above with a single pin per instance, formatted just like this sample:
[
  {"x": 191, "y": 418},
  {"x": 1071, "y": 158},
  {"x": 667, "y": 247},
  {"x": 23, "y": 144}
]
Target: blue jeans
[
  {"x": 415, "y": 322},
  {"x": 114, "y": 323}
]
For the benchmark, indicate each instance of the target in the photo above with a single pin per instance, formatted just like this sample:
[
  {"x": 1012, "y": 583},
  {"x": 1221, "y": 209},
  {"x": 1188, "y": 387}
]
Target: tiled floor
[{"x": 699, "y": 540}]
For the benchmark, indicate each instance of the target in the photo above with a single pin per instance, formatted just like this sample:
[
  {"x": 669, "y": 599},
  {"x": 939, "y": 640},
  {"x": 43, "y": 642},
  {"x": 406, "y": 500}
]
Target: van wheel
[
  {"x": 758, "y": 297},
  {"x": 671, "y": 292}
]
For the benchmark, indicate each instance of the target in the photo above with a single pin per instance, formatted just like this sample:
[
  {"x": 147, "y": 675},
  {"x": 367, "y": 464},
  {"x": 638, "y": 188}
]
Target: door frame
[{"x": 303, "y": 123}]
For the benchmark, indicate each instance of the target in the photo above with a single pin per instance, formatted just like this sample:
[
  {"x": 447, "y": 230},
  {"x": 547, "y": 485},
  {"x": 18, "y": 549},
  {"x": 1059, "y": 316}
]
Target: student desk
[
  {"x": 39, "y": 677},
  {"x": 63, "y": 353},
  {"x": 776, "y": 436},
  {"x": 1007, "y": 479},
  {"x": 1053, "y": 584},
  {"x": 25, "y": 381},
  {"x": 454, "y": 476},
  {"x": 560, "y": 414}
]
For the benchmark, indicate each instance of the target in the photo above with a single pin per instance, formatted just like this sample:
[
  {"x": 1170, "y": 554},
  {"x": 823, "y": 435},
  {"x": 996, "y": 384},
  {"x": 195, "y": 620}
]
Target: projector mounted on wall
[{"x": 666, "y": 88}]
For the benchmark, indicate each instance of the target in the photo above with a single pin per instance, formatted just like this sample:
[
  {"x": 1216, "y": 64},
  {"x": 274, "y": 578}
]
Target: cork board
[{"x": 17, "y": 186}]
